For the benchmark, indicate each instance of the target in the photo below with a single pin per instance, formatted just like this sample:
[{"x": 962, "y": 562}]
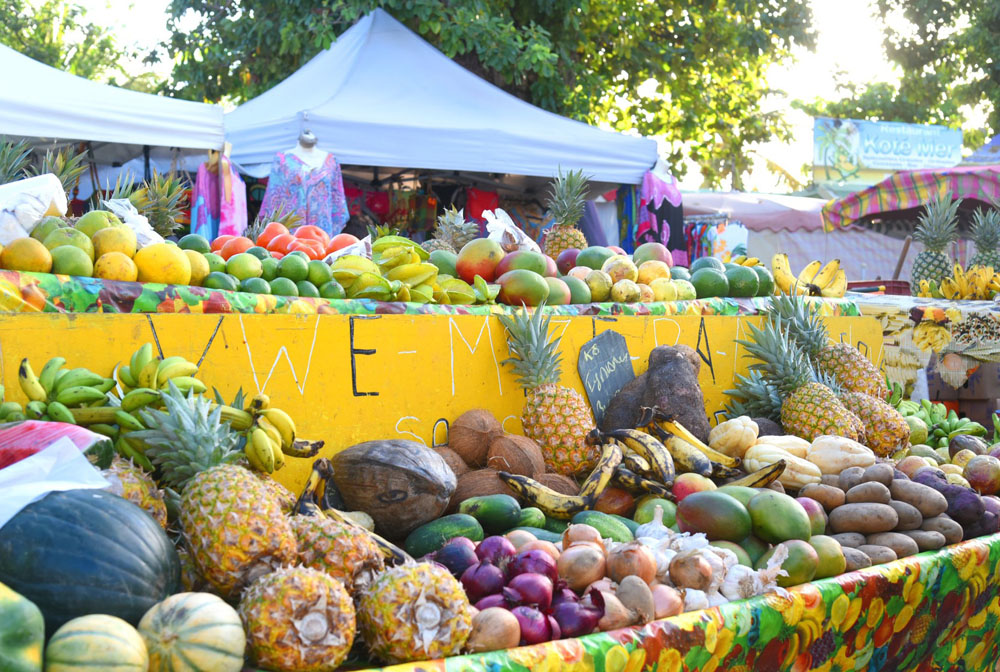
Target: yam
[
  {"x": 829, "y": 496},
  {"x": 864, "y": 518},
  {"x": 855, "y": 559},
  {"x": 900, "y": 544},
  {"x": 924, "y": 498},
  {"x": 872, "y": 491},
  {"x": 927, "y": 540},
  {"x": 850, "y": 539},
  {"x": 624, "y": 408},
  {"x": 878, "y": 473},
  {"x": 879, "y": 554},
  {"x": 909, "y": 516},
  {"x": 948, "y": 528},
  {"x": 850, "y": 477},
  {"x": 768, "y": 427},
  {"x": 672, "y": 385}
]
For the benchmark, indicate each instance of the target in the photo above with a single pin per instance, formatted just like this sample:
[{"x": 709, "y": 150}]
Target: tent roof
[
  {"x": 38, "y": 101},
  {"x": 759, "y": 212},
  {"x": 382, "y": 96}
]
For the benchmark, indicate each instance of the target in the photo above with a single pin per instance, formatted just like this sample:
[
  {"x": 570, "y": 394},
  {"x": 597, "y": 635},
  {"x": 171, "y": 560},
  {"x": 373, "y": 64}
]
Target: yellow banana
[
  {"x": 237, "y": 418},
  {"x": 649, "y": 448},
  {"x": 284, "y": 424},
  {"x": 686, "y": 457},
  {"x": 810, "y": 271},
  {"x": 749, "y": 262},
  {"x": 271, "y": 430},
  {"x": 554, "y": 504},
  {"x": 667, "y": 423},
  {"x": 29, "y": 382},
  {"x": 633, "y": 482},
  {"x": 258, "y": 450},
  {"x": 784, "y": 280},
  {"x": 147, "y": 377},
  {"x": 185, "y": 384},
  {"x": 739, "y": 259},
  {"x": 140, "y": 358},
  {"x": 826, "y": 274},
  {"x": 594, "y": 485},
  {"x": 174, "y": 367},
  {"x": 838, "y": 287},
  {"x": 259, "y": 402},
  {"x": 762, "y": 477},
  {"x": 303, "y": 448}
]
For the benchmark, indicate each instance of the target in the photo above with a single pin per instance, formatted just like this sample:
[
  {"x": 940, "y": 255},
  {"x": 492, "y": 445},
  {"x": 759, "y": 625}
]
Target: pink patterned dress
[{"x": 315, "y": 194}]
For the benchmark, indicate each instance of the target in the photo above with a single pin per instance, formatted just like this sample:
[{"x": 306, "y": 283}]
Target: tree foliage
[{"x": 694, "y": 73}]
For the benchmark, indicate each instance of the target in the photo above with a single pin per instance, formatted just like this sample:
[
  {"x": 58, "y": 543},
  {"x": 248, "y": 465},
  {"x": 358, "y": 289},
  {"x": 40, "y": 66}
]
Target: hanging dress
[
  {"x": 315, "y": 194},
  {"x": 216, "y": 212}
]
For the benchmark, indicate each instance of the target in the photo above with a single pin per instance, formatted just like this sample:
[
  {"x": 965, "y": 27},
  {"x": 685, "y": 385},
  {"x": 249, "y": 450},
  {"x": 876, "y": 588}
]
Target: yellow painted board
[{"x": 347, "y": 379}]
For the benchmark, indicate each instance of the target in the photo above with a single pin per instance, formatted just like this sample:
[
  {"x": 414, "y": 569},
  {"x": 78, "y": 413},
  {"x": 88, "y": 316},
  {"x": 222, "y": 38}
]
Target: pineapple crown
[
  {"x": 15, "y": 158},
  {"x": 187, "y": 437},
  {"x": 986, "y": 229},
  {"x": 380, "y": 230},
  {"x": 800, "y": 318},
  {"x": 936, "y": 225},
  {"x": 782, "y": 362},
  {"x": 567, "y": 197},
  {"x": 159, "y": 200},
  {"x": 536, "y": 359},
  {"x": 754, "y": 397}
]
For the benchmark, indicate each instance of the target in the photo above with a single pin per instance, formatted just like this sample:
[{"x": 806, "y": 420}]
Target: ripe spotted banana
[
  {"x": 809, "y": 272},
  {"x": 762, "y": 477},
  {"x": 284, "y": 424},
  {"x": 29, "y": 382},
  {"x": 594, "y": 485},
  {"x": 636, "y": 463},
  {"x": 553, "y": 504},
  {"x": 648, "y": 447},
  {"x": 685, "y": 456},
  {"x": 259, "y": 403},
  {"x": 633, "y": 482},
  {"x": 826, "y": 274},
  {"x": 670, "y": 425}
]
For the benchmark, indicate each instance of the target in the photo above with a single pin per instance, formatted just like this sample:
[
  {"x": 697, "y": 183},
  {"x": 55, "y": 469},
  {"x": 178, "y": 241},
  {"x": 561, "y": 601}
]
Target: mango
[
  {"x": 831, "y": 556},
  {"x": 521, "y": 287},
  {"x": 742, "y": 557},
  {"x": 741, "y": 493},
  {"x": 776, "y": 517},
  {"x": 755, "y": 548},
  {"x": 801, "y": 564},
  {"x": 567, "y": 260},
  {"x": 817, "y": 516},
  {"x": 526, "y": 259},
  {"x": 719, "y": 516},
  {"x": 479, "y": 257},
  {"x": 594, "y": 257},
  {"x": 559, "y": 292}
]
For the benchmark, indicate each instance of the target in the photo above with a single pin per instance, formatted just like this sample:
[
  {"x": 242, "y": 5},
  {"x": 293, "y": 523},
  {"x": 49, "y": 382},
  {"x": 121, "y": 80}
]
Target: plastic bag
[
  {"x": 59, "y": 466},
  {"x": 25, "y": 202},
  {"x": 362, "y": 248},
  {"x": 501, "y": 228},
  {"x": 20, "y": 440},
  {"x": 144, "y": 233}
]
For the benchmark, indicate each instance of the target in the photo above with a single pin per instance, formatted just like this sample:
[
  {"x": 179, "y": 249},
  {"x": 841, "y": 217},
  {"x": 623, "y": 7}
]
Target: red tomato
[
  {"x": 219, "y": 242},
  {"x": 340, "y": 241},
  {"x": 235, "y": 246},
  {"x": 280, "y": 243},
  {"x": 313, "y": 248},
  {"x": 310, "y": 232},
  {"x": 270, "y": 231}
]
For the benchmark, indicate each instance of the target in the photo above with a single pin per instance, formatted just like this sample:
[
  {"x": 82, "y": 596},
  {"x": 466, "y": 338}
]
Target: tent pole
[{"x": 145, "y": 159}]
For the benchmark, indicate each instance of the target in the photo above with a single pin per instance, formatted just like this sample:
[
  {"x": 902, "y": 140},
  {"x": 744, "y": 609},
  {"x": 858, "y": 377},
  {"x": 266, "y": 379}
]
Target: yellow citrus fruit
[
  {"x": 199, "y": 267},
  {"x": 164, "y": 263},
  {"x": 115, "y": 239},
  {"x": 115, "y": 266},
  {"x": 26, "y": 254}
]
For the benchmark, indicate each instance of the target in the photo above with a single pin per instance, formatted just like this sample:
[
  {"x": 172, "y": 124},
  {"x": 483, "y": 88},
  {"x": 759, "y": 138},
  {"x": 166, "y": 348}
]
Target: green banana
[
  {"x": 76, "y": 396},
  {"x": 128, "y": 421},
  {"x": 48, "y": 375},
  {"x": 139, "y": 397},
  {"x": 77, "y": 378},
  {"x": 140, "y": 358},
  {"x": 34, "y": 409},
  {"x": 110, "y": 431},
  {"x": 128, "y": 451},
  {"x": 125, "y": 376},
  {"x": 8, "y": 407},
  {"x": 554, "y": 504},
  {"x": 15, "y": 416},
  {"x": 60, "y": 413}
]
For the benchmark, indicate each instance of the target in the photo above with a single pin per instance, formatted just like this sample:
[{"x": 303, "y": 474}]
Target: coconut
[
  {"x": 471, "y": 435},
  {"x": 453, "y": 460},
  {"x": 560, "y": 483},
  {"x": 516, "y": 455},
  {"x": 477, "y": 483}
]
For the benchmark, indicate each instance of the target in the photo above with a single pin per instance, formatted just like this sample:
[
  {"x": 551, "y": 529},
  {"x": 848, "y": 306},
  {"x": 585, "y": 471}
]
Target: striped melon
[
  {"x": 22, "y": 633},
  {"x": 193, "y": 632},
  {"x": 96, "y": 642}
]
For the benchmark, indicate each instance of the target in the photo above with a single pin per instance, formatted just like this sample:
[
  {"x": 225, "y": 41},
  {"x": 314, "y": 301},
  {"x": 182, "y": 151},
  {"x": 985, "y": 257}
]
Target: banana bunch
[
  {"x": 977, "y": 283},
  {"x": 930, "y": 336},
  {"x": 271, "y": 436},
  {"x": 149, "y": 374},
  {"x": 689, "y": 453},
  {"x": 942, "y": 425},
  {"x": 816, "y": 279},
  {"x": 55, "y": 390},
  {"x": 744, "y": 260}
]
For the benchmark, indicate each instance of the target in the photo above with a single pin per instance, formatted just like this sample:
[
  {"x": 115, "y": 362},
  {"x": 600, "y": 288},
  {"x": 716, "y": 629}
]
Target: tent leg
[{"x": 145, "y": 159}]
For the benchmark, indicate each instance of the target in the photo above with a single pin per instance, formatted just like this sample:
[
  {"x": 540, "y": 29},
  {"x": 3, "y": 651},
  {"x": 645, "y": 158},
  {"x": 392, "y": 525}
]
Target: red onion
[
  {"x": 494, "y": 600},
  {"x": 563, "y": 594},
  {"x": 456, "y": 558},
  {"x": 576, "y": 619},
  {"x": 481, "y": 580},
  {"x": 533, "y": 590},
  {"x": 495, "y": 549},
  {"x": 535, "y": 626},
  {"x": 533, "y": 562},
  {"x": 554, "y": 626},
  {"x": 461, "y": 541}
]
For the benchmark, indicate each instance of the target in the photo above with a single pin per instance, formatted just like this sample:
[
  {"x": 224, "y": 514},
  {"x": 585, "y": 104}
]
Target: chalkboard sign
[{"x": 605, "y": 367}]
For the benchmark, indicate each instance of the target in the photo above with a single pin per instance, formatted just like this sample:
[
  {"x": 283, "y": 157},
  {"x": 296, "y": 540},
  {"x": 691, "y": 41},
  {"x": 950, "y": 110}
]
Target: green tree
[{"x": 694, "y": 73}]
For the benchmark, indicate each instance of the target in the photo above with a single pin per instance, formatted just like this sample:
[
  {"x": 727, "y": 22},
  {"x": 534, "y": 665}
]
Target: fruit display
[
  {"x": 936, "y": 229},
  {"x": 828, "y": 280}
]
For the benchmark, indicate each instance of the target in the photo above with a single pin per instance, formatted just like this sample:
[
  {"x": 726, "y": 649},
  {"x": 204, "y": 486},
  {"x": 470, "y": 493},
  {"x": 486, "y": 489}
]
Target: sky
[{"x": 849, "y": 40}]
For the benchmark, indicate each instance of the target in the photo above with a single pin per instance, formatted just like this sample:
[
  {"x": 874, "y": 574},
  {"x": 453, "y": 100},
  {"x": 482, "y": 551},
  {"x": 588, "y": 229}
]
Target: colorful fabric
[
  {"x": 656, "y": 199},
  {"x": 48, "y": 293},
  {"x": 911, "y": 189},
  {"x": 315, "y": 194},
  {"x": 215, "y": 213},
  {"x": 929, "y": 612},
  {"x": 477, "y": 200}
]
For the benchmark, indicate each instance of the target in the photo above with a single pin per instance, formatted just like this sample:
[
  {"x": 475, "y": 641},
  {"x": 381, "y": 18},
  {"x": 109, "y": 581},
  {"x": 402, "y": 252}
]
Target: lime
[
  {"x": 319, "y": 273},
  {"x": 217, "y": 280},
  {"x": 298, "y": 253},
  {"x": 742, "y": 281},
  {"x": 710, "y": 282},
  {"x": 47, "y": 226},
  {"x": 269, "y": 269},
  {"x": 71, "y": 260},
  {"x": 706, "y": 262},
  {"x": 307, "y": 288},
  {"x": 193, "y": 241},
  {"x": 216, "y": 264},
  {"x": 259, "y": 252},
  {"x": 765, "y": 281},
  {"x": 255, "y": 286},
  {"x": 332, "y": 290},
  {"x": 243, "y": 266},
  {"x": 294, "y": 268},
  {"x": 70, "y": 237},
  {"x": 284, "y": 287},
  {"x": 679, "y": 273}
]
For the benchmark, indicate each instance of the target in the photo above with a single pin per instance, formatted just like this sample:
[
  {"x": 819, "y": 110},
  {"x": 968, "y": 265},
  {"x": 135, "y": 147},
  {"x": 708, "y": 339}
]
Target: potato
[
  {"x": 948, "y": 528},
  {"x": 864, "y": 518},
  {"x": 878, "y": 473},
  {"x": 855, "y": 559},
  {"x": 827, "y": 495},
  {"x": 928, "y": 501},
  {"x": 927, "y": 540},
  {"x": 900, "y": 544},
  {"x": 851, "y": 539},
  {"x": 878, "y": 554},
  {"x": 868, "y": 492},
  {"x": 850, "y": 477},
  {"x": 830, "y": 479},
  {"x": 909, "y": 517}
]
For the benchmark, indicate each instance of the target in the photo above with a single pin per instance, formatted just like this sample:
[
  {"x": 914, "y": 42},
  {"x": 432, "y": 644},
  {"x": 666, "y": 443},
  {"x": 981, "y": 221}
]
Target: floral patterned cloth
[{"x": 315, "y": 194}]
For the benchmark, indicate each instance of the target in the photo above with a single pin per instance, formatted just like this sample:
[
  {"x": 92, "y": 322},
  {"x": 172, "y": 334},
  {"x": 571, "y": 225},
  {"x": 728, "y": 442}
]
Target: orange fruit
[
  {"x": 114, "y": 239},
  {"x": 163, "y": 263},
  {"x": 235, "y": 246},
  {"x": 26, "y": 254},
  {"x": 270, "y": 231},
  {"x": 340, "y": 241},
  {"x": 115, "y": 266},
  {"x": 219, "y": 242}
]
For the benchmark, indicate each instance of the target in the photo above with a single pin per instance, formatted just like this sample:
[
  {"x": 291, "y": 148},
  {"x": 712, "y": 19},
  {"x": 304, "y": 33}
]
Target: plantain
[
  {"x": 553, "y": 504},
  {"x": 762, "y": 477},
  {"x": 633, "y": 482},
  {"x": 666, "y": 422},
  {"x": 722, "y": 471},
  {"x": 636, "y": 463},
  {"x": 686, "y": 457},
  {"x": 650, "y": 449},
  {"x": 303, "y": 448},
  {"x": 594, "y": 485},
  {"x": 306, "y": 504}
]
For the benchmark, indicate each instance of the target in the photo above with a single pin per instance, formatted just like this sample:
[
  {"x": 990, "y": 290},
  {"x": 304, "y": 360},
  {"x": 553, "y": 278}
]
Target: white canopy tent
[
  {"x": 381, "y": 96},
  {"x": 49, "y": 107}
]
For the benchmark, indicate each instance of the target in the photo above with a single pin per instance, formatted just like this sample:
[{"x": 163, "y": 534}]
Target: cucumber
[
  {"x": 609, "y": 527},
  {"x": 496, "y": 513},
  {"x": 629, "y": 523},
  {"x": 555, "y": 525},
  {"x": 531, "y": 517},
  {"x": 541, "y": 534},
  {"x": 431, "y": 536}
]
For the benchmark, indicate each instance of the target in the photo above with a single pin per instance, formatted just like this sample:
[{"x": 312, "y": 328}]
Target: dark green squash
[{"x": 82, "y": 552}]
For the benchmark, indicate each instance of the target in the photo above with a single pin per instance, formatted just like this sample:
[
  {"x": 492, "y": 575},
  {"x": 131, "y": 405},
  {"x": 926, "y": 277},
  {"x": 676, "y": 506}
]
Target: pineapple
[
  {"x": 346, "y": 554},
  {"x": 886, "y": 431},
  {"x": 556, "y": 417},
  {"x": 134, "y": 484},
  {"x": 567, "y": 196},
  {"x": 808, "y": 408},
  {"x": 986, "y": 234},
  {"x": 285, "y": 497},
  {"x": 415, "y": 611},
  {"x": 15, "y": 157},
  {"x": 67, "y": 164},
  {"x": 159, "y": 200},
  {"x": 843, "y": 362},
  {"x": 754, "y": 397},
  {"x": 936, "y": 230},
  {"x": 298, "y": 620},
  {"x": 452, "y": 232}
]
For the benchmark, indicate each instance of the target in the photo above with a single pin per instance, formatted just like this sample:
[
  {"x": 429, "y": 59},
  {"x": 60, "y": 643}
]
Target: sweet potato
[
  {"x": 909, "y": 516},
  {"x": 868, "y": 492},
  {"x": 924, "y": 498},
  {"x": 827, "y": 495},
  {"x": 864, "y": 518},
  {"x": 988, "y": 523},
  {"x": 900, "y": 544},
  {"x": 927, "y": 540},
  {"x": 850, "y": 539},
  {"x": 855, "y": 559},
  {"x": 672, "y": 385},
  {"x": 850, "y": 477},
  {"x": 878, "y": 473},
  {"x": 878, "y": 554},
  {"x": 948, "y": 528},
  {"x": 964, "y": 506}
]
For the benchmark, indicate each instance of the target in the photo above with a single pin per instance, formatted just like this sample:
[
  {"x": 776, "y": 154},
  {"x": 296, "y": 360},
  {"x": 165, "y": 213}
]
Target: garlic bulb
[
  {"x": 717, "y": 599},
  {"x": 654, "y": 528},
  {"x": 694, "y": 599},
  {"x": 740, "y": 583}
]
